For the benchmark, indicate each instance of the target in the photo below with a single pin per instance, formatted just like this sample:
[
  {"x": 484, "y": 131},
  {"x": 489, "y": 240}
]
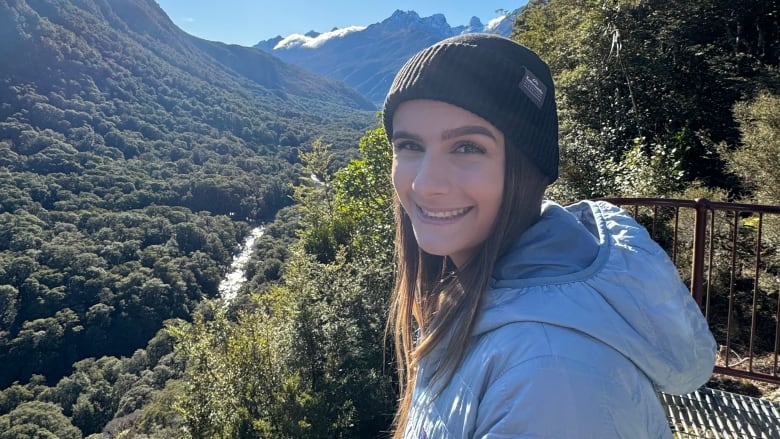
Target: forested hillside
[
  {"x": 126, "y": 186},
  {"x": 133, "y": 158}
]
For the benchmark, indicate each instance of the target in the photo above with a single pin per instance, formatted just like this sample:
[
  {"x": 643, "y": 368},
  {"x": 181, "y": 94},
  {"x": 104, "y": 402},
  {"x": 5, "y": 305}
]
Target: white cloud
[
  {"x": 296, "y": 40},
  {"x": 188, "y": 20}
]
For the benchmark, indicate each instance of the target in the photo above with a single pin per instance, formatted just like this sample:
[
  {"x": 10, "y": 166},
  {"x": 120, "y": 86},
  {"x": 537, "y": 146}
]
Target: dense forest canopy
[{"x": 134, "y": 158}]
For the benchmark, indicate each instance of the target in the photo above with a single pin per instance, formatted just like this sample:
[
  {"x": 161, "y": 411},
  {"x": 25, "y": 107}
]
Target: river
[{"x": 231, "y": 283}]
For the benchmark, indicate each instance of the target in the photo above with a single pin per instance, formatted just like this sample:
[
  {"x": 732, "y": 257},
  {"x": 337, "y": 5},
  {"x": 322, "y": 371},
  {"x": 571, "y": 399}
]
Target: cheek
[
  {"x": 492, "y": 191},
  {"x": 401, "y": 176},
  {"x": 394, "y": 177},
  {"x": 488, "y": 181},
  {"x": 399, "y": 183}
]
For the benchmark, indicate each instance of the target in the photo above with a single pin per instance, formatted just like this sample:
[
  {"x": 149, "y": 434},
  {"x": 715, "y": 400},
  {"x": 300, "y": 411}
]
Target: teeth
[{"x": 445, "y": 214}]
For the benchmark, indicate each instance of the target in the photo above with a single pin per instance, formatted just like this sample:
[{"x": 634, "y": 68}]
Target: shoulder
[
  {"x": 523, "y": 378},
  {"x": 539, "y": 373},
  {"x": 542, "y": 360},
  {"x": 521, "y": 347}
]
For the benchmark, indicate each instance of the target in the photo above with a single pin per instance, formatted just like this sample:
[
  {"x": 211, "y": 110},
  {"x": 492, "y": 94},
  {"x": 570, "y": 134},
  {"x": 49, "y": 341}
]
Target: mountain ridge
[{"x": 367, "y": 57}]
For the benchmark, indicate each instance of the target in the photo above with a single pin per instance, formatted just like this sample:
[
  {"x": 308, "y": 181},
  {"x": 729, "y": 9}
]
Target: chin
[{"x": 435, "y": 250}]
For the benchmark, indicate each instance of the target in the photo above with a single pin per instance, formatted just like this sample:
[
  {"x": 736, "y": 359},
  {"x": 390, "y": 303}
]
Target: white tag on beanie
[{"x": 533, "y": 88}]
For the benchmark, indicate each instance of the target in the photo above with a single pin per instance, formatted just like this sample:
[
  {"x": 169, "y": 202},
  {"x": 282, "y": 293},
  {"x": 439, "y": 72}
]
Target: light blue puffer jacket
[{"x": 586, "y": 319}]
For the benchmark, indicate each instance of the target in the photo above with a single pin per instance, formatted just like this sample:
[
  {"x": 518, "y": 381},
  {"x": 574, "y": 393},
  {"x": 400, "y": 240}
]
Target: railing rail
[{"x": 730, "y": 254}]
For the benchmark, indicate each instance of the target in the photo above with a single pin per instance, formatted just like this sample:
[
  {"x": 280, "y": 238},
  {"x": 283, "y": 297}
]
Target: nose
[{"x": 432, "y": 176}]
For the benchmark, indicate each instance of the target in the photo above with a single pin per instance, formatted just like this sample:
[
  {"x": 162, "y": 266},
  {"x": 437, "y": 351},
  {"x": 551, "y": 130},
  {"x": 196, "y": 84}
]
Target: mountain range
[{"x": 367, "y": 57}]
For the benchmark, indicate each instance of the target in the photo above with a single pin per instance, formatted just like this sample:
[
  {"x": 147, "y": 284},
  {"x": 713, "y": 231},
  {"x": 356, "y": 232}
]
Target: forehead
[{"x": 424, "y": 115}]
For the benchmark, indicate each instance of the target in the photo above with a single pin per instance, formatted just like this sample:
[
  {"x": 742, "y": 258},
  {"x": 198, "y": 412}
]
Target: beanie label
[{"x": 533, "y": 88}]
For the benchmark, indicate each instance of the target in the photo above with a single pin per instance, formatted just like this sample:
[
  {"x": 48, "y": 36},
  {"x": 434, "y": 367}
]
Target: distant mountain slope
[
  {"x": 127, "y": 150},
  {"x": 367, "y": 57}
]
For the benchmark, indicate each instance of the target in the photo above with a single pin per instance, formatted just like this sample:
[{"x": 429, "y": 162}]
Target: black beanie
[{"x": 493, "y": 77}]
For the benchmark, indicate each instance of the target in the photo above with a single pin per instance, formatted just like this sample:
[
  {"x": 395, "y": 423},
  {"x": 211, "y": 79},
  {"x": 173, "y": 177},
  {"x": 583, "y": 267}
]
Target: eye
[
  {"x": 406, "y": 145},
  {"x": 469, "y": 148}
]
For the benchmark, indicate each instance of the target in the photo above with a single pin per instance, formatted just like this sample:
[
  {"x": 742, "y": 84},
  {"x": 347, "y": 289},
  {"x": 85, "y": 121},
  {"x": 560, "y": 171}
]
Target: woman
[{"x": 515, "y": 317}]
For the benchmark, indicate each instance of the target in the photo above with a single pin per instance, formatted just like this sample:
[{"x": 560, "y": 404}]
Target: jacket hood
[{"x": 591, "y": 268}]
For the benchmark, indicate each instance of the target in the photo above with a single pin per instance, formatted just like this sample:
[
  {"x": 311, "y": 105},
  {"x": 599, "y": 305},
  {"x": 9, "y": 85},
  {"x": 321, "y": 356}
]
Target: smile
[{"x": 445, "y": 214}]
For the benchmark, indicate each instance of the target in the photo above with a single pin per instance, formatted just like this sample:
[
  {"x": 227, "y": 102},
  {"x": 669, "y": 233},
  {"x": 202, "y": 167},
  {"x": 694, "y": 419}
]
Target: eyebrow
[
  {"x": 449, "y": 134},
  {"x": 467, "y": 130},
  {"x": 405, "y": 135}
]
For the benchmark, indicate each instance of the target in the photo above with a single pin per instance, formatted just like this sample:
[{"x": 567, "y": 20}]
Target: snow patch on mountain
[
  {"x": 310, "y": 41},
  {"x": 492, "y": 24},
  {"x": 501, "y": 25}
]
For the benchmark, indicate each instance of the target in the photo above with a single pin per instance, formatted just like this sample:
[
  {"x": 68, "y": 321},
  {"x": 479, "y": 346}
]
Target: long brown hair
[{"x": 434, "y": 300}]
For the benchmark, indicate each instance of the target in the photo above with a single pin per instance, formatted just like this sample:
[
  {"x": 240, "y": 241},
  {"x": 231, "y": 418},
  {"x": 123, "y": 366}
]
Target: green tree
[
  {"x": 37, "y": 419},
  {"x": 13, "y": 396},
  {"x": 340, "y": 303},
  {"x": 364, "y": 198},
  {"x": 236, "y": 381},
  {"x": 313, "y": 198},
  {"x": 757, "y": 162},
  {"x": 9, "y": 299}
]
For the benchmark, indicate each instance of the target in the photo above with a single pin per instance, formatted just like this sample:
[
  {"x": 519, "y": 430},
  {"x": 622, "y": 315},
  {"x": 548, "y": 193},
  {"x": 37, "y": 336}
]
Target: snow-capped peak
[
  {"x": 493, "y": 24},
  {"x": 500, "y": 25}
]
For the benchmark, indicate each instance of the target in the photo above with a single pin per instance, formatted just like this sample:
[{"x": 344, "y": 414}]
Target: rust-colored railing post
[{"x": 699, "y": 241}]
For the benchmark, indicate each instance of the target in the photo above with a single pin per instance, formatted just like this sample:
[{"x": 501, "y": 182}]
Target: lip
[{"x": 442, "y": 216}]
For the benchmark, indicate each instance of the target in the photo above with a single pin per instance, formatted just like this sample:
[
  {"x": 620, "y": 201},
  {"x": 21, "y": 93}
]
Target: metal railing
[{"x": 730, "y": 255}]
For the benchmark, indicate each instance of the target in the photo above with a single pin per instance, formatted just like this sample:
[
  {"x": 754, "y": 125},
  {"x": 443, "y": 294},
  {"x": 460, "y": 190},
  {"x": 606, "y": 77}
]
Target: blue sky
[{"x": 247, "y": 22}]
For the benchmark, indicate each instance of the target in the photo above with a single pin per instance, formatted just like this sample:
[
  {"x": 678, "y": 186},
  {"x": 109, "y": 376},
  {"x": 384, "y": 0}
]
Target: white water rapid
[{"x": 229, "y": 286}]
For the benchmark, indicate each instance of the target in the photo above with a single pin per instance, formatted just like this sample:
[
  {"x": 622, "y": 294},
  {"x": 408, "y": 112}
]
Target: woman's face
[{"x": 448, "y": 173}]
